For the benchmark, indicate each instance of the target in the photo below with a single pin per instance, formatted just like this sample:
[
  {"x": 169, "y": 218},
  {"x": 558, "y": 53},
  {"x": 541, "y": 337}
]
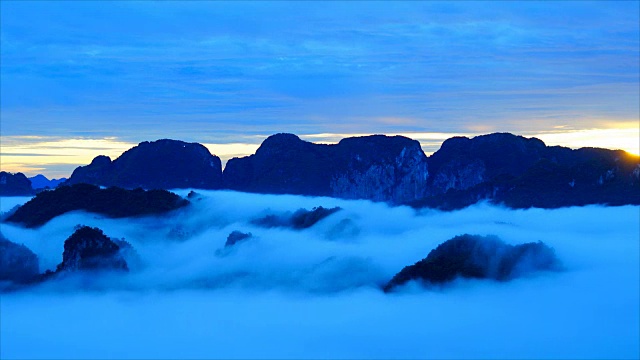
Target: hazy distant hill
[
  {"x": 162, "y": 164},
  {"x": 17, "y": 262},
  {"x": 14, "y": 184},
  {"x": 41, "y": 182}
]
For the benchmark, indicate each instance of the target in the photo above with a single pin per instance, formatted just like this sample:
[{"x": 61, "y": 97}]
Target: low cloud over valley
[{"x": 316, "y": 291}]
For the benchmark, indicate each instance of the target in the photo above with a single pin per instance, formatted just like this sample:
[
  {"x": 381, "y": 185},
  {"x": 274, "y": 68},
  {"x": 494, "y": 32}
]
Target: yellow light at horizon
[
  {"x": 627, "y": 139},
  {"x": 31, "y": 155},
  {"x": 57, "y": 157},
  {"x": 231, "y": 150}
]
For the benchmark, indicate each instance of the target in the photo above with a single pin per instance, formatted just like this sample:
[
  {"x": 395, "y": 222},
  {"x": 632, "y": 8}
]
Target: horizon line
[{"x": 56, "y": 157}]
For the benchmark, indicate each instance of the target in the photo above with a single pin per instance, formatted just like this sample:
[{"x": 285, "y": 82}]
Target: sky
[
  {"x": 315, "y": 293},
  {"x": 79, "y": 79}
]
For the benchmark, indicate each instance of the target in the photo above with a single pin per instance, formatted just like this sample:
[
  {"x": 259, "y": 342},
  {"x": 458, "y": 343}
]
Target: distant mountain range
[
  {"x": 41, "y": 182},
  {"x": 501, "y": 168},
  {"x": 20, "y": 185}
]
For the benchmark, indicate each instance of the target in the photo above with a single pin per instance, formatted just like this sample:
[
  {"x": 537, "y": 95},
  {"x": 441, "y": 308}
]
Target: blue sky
[{"x": 234, "y": 72}]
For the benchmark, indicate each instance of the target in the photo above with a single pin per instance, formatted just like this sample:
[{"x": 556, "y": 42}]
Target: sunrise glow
[
  {"x": 55, "y": 157},
  {"x": 58, "y": 157},
  {"x": 627, "y": 139}
]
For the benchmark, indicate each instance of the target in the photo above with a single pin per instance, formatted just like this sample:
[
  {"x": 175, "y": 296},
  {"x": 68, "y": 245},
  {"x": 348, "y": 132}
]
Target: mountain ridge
[
  {"x": 42, "y": 182},
  {"x": 160, "y": 164},
  {"x": 375, "y": 167},
  {"x": 502, "y": 168}
]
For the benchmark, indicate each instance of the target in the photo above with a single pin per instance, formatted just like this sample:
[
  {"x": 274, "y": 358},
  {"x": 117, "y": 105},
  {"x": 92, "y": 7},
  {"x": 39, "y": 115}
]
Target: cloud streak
[{"x": 197, "y": 68}]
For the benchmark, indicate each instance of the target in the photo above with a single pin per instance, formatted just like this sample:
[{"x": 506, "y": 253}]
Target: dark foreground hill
[
  {"x": 377, "y": 167},
  {"x": 90, "y": 249},
  {"x": 162, "y": 164},
  {"x": 477, "y": 257},
  {"x": 113, "y": 202},
  {"x": 86, "y": 250}
]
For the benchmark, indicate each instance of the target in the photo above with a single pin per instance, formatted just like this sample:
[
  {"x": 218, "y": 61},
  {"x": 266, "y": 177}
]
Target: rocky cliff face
[
  {"x": 162, "y": 164},
  {"x": 374, "y": 167},
  {"x": 283, "y": 164},
  {"x": 15, "y": 184},
  {"x": 520, "y": 173},
  {"x": 90, "y": 249},
  {"x": 462, "y": 163},
  {"x": 381, "y": 168}
]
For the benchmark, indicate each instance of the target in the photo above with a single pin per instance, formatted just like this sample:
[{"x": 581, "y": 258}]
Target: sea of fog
[{"x": 315, "y": 293}]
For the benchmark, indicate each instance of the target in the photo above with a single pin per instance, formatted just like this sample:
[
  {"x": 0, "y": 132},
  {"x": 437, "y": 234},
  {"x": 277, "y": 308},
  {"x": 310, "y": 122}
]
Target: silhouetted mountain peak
[
  {"x": 282, "y": 144},
  {"x": 373, "y": 167},
  {"x": 14, "y": 184},
  {"x": 39, "y": 177},
  {"x": 378, "y": 143},
  {"x": 90, "y": 249},
  {"x": 524, "y": 172},
  {"x": 42, "y": 182},
  {"x": 101, "y": 160},
  {"x": 281, "y": 139},
  {"x": 161, "y": 164}
]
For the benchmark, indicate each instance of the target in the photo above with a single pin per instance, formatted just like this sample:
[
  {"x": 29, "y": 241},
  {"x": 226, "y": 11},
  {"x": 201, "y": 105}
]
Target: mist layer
[{"x": 315, "y": 292}]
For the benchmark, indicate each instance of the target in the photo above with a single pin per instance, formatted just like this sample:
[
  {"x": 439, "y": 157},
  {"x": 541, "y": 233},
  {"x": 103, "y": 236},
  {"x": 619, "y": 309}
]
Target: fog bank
[{"x": 315, "y": 292}]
